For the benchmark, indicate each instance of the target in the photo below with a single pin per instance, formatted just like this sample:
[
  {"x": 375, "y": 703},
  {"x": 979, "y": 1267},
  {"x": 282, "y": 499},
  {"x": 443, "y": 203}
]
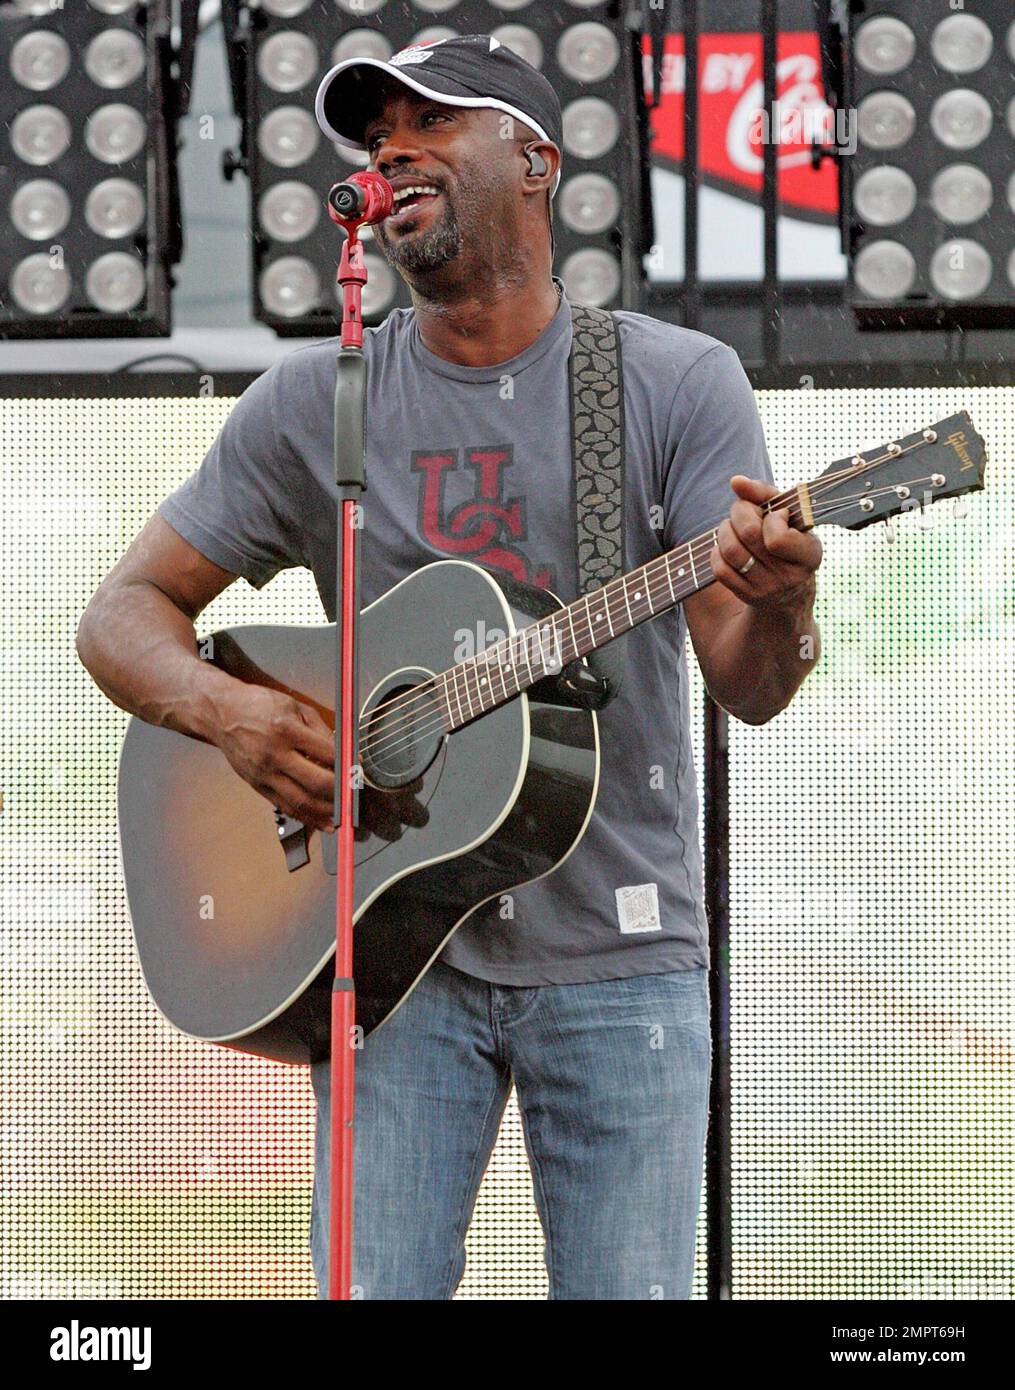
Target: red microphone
[
  {"x": 364, "y": 198},
  {"x": 361, "y": 200}
]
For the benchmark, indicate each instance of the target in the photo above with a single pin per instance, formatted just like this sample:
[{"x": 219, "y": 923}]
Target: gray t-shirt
[{"x": 475, "y": 462}]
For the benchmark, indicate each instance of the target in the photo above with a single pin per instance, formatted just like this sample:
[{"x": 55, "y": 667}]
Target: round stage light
[
  {"x": 40, "y": 209},
  {"x": 360, "y": 7},
  {"x": 285, "y": 9},
  {"x": 591, "y": 128},
  {"x": 362, "y": 43},
  {"x": 40, "y": 134},
  {"x": 589, "y": 203},
  {"x": 961, "y": 194},
  {"x": 290, "y": 287},
  {"x": 588, "y": 52},
  {"x": 289, "y": 211},
  {"x": 436, "y": 6},
  {"x": 380, "y": 288},
  {"x": 885, "y": 120},
  {"x": 961, "y": 43},
  {"x": 961, "y": 269},
  {"x": 961, "y": 118},
  {"x": 523, "y": 41},
  {"x": 115, "y": 58},
  {"x": 884, "y": 270},
  {"x": 288, "y": 136},
  {"x": 115, "y": 133},
  {"x": 115, "y": 208},
  {"x": 287, "y": 61},
  {"x": 39, "y": 287},
  {"x": 884, "y": 195},
  {"x": 115, "y": 283},
  {"x": 591, "y": 276},
  {"x": 884, "y": 45},
  {"x": 40, "y": 60},
  {"x": 358, "y": 157}
]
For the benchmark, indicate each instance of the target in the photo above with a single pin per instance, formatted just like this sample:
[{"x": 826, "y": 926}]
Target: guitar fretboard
[{"x": 506, "y": 668}]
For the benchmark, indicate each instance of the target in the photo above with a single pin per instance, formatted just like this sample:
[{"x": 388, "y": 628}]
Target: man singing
[{"x": 591, "y": 996}]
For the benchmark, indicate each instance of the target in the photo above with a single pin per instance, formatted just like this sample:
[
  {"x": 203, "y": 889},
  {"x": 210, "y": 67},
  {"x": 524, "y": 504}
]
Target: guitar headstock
[{"x": 946, "y": 460}]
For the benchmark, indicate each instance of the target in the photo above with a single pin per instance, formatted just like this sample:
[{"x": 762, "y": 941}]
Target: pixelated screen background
[{"x": 872, "y": 939}]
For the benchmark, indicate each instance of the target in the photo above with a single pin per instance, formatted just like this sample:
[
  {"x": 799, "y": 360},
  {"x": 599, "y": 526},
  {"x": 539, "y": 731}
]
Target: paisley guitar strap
[{"x": 597, "y": 440}]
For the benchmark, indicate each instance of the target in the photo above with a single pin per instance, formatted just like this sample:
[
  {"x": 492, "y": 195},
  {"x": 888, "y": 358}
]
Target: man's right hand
[{"x": 283, "y": 748}]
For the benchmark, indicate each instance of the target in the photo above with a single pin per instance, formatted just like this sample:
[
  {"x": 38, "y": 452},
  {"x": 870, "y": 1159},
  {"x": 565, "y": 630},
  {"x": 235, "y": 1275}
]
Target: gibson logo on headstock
[{"x": 958, "y": 443}]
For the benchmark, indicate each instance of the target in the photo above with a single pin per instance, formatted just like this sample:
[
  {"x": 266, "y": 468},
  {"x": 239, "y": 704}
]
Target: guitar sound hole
[{"x": 401, "y": 730}]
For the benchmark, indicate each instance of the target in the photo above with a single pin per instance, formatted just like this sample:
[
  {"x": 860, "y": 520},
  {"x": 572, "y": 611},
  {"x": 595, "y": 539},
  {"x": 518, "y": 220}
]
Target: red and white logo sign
[{"x": 732, "y": 122}]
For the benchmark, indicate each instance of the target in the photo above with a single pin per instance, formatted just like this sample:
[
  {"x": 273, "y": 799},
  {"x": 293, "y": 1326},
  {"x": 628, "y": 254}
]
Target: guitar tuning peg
[{"x": 960, "y": 508}]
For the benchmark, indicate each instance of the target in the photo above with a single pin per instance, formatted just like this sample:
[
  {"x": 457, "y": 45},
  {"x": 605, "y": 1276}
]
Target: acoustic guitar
[{"x": 487, "y": 766}]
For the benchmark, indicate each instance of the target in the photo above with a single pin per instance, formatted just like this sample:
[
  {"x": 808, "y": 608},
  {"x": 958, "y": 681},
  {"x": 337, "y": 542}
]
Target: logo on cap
[{"x": 416, "y": 53}]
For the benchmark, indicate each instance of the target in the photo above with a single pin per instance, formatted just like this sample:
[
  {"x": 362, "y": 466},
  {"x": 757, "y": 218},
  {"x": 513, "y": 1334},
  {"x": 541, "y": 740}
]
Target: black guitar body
[{"x": 235, "y": 943}]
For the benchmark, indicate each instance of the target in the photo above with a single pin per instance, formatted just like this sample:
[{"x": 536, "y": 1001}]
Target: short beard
[{"x": 427, "y": 251}]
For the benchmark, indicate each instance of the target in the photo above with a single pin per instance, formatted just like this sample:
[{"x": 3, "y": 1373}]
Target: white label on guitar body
[{"x": 638, "y": 908}]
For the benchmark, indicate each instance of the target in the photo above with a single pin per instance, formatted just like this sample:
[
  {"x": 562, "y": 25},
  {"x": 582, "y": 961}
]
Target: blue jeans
[{"x": 612, "y": 1085}]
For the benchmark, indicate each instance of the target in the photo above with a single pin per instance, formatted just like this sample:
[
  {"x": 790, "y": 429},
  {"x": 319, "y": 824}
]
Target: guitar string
[
  {"x": 383, "y": 746},
  {"x": 511, "y": 647},
  {"x": 427, "y": 691},
  {"x": 552, "y": 626},
  {"x": 647, "y": 612},
  {"x": 773, "y": 504}
]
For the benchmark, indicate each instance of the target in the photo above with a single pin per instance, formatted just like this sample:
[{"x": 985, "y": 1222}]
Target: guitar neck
[{"x": 506, "y": 668}]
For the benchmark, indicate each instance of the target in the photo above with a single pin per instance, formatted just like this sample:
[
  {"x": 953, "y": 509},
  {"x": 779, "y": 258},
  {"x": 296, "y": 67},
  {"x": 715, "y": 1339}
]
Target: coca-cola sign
[{"x": 733, "y": 123}]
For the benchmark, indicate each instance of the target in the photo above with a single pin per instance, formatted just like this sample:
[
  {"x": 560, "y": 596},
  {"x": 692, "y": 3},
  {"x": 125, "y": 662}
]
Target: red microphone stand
[{"x": 375, "y": 203}]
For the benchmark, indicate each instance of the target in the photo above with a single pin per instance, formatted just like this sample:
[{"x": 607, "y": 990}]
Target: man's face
[{"x": 464, "y": 153}]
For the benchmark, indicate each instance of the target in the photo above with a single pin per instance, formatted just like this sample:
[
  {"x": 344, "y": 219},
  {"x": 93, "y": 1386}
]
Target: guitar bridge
[{"x": 292, "y": 835}]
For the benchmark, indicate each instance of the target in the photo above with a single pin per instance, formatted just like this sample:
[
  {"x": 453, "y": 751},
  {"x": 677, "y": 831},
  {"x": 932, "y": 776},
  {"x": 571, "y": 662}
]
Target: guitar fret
[
  {"x": 648, "y": 593},
  {"x": 588, "y": 619},
  {"x": 500, "y": 669},
  {"x": 609, "y": 616},
  {"x": 458, "y": 696},
  {"x": 468, "y": 693},
  {"x": 509, "y": 664},
  {"x": 627, "y": 601},
  {"x": 690, "y": 556},
  {"x": 574, "y": 639},
  {"x": 525, "y": 653},
  {"x": 669, "y": 578},
  {"x": 556, "y": 653},
  {"x": 447, "y": 699},
  {"x": 482, "y": 680}
]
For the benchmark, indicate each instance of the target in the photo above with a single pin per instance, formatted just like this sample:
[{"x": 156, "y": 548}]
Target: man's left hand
[{"x": 780, "y": 560}]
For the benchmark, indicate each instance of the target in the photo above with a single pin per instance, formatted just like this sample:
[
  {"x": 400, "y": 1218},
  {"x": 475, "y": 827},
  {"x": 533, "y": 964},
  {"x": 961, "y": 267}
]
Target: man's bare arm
[
  {"x": 754, "y": 633},
  {"x": 137, "y": 640}
]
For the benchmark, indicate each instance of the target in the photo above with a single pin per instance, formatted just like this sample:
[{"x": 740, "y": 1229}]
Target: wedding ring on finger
[{"x": 744, "y": 568}]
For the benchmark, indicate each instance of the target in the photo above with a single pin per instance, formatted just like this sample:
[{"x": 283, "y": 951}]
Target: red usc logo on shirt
[{"x": 486, "y": 527}]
